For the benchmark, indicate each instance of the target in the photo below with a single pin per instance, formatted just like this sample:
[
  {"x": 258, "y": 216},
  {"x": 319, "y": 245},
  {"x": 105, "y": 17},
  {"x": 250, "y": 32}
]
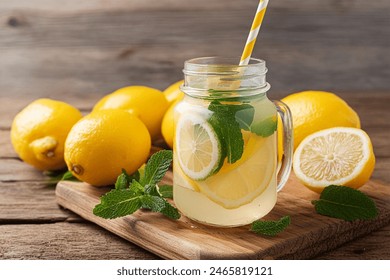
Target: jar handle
[{"x": 284, "y": 168}]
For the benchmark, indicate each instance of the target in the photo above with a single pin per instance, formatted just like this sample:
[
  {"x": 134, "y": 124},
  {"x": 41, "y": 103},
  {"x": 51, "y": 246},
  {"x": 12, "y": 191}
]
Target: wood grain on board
[{"x": 308, "y": 235}]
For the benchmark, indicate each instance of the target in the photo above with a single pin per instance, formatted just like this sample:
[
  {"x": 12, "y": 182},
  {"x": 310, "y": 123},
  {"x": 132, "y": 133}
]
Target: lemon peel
[
  {"x": 39, "y": 131},
  {"x": 146, "y": 103},
  {"x": 313, "y": 111},
  {"x": 103, "y": 143}
]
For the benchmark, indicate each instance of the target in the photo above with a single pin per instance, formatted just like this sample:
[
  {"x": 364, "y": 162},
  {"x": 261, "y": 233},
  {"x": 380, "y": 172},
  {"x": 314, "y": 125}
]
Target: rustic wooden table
[{"x": 77, "y": 51}]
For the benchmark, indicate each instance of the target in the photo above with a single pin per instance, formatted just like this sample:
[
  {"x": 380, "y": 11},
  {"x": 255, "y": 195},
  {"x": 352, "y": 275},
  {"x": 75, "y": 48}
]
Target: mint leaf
[
  {"x": 270, "y": 228},
  {"x": 59, "y": 175},
  {"x": 152, "y": 190},
  {"x": 170, "y": 211},
  {"x": 136, "y": 176},
  {"x": 159, "y": 204},
  {"x": 130, "y": 195},
  {"x": 156, "y": 167},
  {"x": 68, "y": 176},
  {"x": 166, "y": 191},
  {"x": 136, "y": 188},
  {"x": 232, "y": 137},
  {"x": 345, "y": 203},
  {"x": 244, "y": 116},
  {"x": 266, "y": 127},
  {"x": 122, "y": 182},
  {"x": 154, "y": 203},
  {"x": 228, "y": 128},
  {"x": 118, "y": 203},
  {"x": 215, "y": 123}
]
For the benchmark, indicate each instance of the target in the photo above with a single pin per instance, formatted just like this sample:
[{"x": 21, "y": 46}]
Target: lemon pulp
[
  {"x": 338, "y": 156},
  {"x": 199, "y": 147}
]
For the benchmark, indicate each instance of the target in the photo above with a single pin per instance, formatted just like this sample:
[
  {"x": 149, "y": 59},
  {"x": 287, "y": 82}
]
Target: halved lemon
[
  {"x": 335, "y": 156},
  {"x": 198, "y": 147}
]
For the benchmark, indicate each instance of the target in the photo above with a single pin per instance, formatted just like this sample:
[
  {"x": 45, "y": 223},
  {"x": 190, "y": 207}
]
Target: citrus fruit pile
[
  {"x": 330, "y": 148},
  {"x": 117, "y": 134}
]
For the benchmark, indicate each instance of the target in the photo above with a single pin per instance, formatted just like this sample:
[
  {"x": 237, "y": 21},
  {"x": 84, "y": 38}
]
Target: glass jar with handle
[{"x": 225, "y": 164}]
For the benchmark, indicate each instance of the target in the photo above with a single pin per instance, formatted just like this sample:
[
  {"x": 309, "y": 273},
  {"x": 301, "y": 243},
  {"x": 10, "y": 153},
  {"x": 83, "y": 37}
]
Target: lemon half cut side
[
  {"x": 198, "y": 147},
  {"x": 335, "y": 156}
]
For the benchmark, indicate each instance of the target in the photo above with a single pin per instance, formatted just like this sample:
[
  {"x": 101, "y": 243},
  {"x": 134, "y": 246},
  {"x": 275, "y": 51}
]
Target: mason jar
[{"x": 226, "y": 170}]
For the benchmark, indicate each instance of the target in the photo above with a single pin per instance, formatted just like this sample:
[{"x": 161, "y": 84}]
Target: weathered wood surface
[
  {"x": 74, "y": 48},
  {"x": 185, "y": 239},
  {"x": 77, "y": 51},
  {"x": 65, "y": 241}
]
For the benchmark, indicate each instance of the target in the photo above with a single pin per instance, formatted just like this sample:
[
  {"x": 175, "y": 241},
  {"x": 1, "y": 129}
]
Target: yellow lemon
[
  {"x": 167, "y": 125},
  {"x": 148, "y": 104},
  {"x": 173, "y": 92},
  {"x": 334, "y": 156},
  {"x": 39, "y": 131},
  {"x": 104, "y": 142},
  {"x": 316, "y": 110}
]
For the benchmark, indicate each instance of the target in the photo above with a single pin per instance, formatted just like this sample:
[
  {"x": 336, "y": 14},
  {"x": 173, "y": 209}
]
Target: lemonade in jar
[{"x": 225, "y": 145}]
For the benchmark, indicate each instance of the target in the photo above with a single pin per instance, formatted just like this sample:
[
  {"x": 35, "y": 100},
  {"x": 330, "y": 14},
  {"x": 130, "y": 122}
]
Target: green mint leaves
[
  {"x": 228, "y": 120},
  {"x": 156, "y": 168},
  {"x": 68, "y": 176},
  {"x": 335, "y": 201},
  {"x": 345, "y": 203},
  {"x": 166, "y": 191},
  {"x": 228, "y": 128},
  {"x": 266, "y": 127},
  {"x": 271, "y": 228},
  {"x": 133, "y": 192}
]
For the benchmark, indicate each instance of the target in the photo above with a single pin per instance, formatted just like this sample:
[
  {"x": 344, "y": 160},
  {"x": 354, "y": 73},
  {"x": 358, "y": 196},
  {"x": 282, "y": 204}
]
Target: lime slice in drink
[{"x": 198, "y": 147}]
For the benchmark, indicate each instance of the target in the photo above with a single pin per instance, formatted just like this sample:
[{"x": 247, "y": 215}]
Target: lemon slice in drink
[
  {"x": 335, "y": 156},
  {"x": 240, "y": 183},
  {"x": 198, "y": 147}
]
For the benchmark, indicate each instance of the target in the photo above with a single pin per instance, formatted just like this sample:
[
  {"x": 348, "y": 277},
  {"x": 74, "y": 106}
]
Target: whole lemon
[
  {"x": 167, "y": 126},
  {"x": 316, "y": 110},
  {"x": 103, "y": 142},
  {"x": 148, "y": 104},
  {"x": 39, "y": 131},
  {"x": 173, "y": 92}
]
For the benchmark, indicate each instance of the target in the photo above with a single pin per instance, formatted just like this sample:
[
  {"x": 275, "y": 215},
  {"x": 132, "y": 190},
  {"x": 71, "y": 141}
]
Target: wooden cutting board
[{"x": 308, "y": 235}]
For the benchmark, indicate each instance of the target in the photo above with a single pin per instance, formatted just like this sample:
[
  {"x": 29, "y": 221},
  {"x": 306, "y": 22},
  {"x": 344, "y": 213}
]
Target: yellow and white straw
[{"x": 250, "y": 42}]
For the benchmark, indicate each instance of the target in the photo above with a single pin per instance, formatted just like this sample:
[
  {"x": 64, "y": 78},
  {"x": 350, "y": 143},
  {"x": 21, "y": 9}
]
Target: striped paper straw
[{"x": 250, "y": 42}]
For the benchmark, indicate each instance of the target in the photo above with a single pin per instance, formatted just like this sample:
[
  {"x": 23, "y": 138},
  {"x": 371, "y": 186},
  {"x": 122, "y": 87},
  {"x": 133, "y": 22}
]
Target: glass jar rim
[
  {"x": 226, "y": 66},
  {"x": 213, "y": 77}
]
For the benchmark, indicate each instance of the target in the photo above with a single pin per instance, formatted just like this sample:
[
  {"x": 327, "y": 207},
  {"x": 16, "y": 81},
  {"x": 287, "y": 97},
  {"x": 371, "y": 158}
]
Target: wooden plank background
[
  {"x": 94, "y": 46},
  {"x": 77, "y": 51}
]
